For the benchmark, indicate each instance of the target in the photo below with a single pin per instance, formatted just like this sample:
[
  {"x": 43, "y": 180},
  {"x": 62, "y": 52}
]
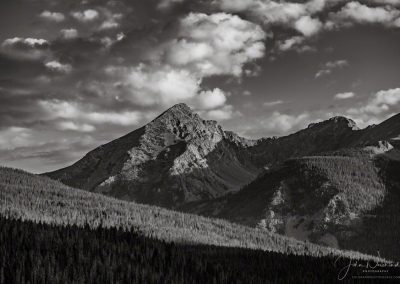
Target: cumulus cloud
[
  {"x": 58, "y": 67},
  {"x": 204, "y": 46},
  {"x": 85, "y": 16},
  {"x": 52, "y": 16},
  {"x": 355, "y": 12},
  {"x": 69, "y": 33},
  {"x": 330, "y": 66},
  {"x": 344, "y": 96},
  {"x": 378, "y": 107},
  {"x": 215, "y": 44},
  {"x": 279, "y": 123},
  {"x": 209, "y": 99},
  {"x": 308, "y": 26}
]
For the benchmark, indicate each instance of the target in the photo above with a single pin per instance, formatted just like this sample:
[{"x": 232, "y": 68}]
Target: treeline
[
  {"x": 28, "y": 197},
  {"x": 40, "y": 253}
]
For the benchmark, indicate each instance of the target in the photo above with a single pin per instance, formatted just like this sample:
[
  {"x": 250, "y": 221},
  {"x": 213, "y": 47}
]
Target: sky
[{"x": 77, "y": 74}]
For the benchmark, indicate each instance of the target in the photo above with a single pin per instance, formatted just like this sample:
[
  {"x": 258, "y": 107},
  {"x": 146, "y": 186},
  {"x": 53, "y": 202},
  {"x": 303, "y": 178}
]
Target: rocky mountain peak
[{"x": 337, "y": 122}]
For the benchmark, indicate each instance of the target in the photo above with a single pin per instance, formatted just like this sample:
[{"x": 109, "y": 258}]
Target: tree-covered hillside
[
  {"x": 40, "y": 253},
  {"x": 29, "y": 197}
]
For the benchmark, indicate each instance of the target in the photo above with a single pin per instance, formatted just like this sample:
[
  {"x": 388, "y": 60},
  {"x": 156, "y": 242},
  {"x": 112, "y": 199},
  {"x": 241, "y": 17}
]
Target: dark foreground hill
[
  {"x": 40, "y": 253},
  {"x": 33, "y": 198}
]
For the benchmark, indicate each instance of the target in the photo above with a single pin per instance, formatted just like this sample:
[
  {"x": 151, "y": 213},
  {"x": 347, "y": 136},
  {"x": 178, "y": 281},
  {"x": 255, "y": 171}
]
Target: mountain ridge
[{"x": 179, "y": 157}]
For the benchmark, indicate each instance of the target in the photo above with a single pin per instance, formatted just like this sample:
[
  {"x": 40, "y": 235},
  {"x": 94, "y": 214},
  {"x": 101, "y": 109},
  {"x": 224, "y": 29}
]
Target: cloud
[
  {"x": 69, "y": 125},
  {"x": 13, "y": 137},
  {"x": 224, "y": 113},
  {"x": 145, "y": 85},
  {"x": 344, "y": 96},
  {"x": 330, "y": 66},
  {"x": 203, "y": 46},
  {"x": 58, "y": 67},
  {"x": 279, "y": 123},
  {"x": 85, "y": 16},
  {"x": 52, "y": 16},
  {"x": 78, "y": 113},
  {"x": 378, "y": 107},
  {"x": 273, "y": 103},
  {"x": 31, "y": 48},
  {"x": 167, "y": 4},
  {"x": 290, "y": 43},
  {"x": 217, "y": 44},
  {"x": 209, "y": 99},
  {"x": 308, "y": 26},
  {"x": 69, "y": 33},
  {"x": 355, "y": 12}
]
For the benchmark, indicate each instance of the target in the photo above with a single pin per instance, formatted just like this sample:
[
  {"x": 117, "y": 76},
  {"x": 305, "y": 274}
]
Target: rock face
[{"x": 176, "y": 158}]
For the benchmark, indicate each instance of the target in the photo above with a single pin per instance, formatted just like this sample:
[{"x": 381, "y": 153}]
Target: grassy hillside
[
  {"x": 28, "y": 197},
  {"x": 40, "y": 253}
]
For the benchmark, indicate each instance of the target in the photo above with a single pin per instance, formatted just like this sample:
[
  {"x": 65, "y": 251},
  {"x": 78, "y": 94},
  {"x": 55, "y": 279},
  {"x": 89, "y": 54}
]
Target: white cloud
[
  {"x": 330, "y": 66},
  {"x": 26, "y": 47},
  {"x": 58, "y": 67},
  {"x": 69, "y": 125},
  {"x": 379, "y": 106},
  {"x": 14, "y": 137},
  {"x": 205, "y": 45},
  {"x": 215, "y": 44},
  {"x": 69, "y": 33},
  {"x": 223, "y": 113},
  {"x": 85, "y": 16},
  {"x": 31, "y": 42},
  {"x": 344, "y": 96},
  {"x": 359, "y": 13},
  {"x": 290, "y": 43},
  {"x": 308, "y": 26},
  {"x": 157, "y": 85},
  {"x": 52, "y": 16},
  {"x": 279, "y": 123},
  {"x": 209, "y": 99},
  {"x": 273, "y": 103},
  {"x": 81, "y": 114}
]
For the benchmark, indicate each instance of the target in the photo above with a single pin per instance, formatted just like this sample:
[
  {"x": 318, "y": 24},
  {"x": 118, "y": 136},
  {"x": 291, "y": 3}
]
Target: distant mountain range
[{"x": 331, "y": 183}]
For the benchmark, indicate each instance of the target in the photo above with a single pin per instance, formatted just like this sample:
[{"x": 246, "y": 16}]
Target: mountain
[
  {"x": 176, "y": 158},
  {"x": 329, "y": 183}
]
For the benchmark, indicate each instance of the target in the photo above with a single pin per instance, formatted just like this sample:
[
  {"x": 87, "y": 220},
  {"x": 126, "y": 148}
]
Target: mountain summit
[
  {"x": 176, "y": 158},
  {"x": 179, "y": 157}
]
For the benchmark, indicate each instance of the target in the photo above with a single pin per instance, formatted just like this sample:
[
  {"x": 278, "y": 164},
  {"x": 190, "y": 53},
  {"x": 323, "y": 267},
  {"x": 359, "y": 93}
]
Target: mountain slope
[
  {"x": 176, "y": 158},
  {"x": 344, "y": 199},
  {"x": 27, "y": 197}
]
